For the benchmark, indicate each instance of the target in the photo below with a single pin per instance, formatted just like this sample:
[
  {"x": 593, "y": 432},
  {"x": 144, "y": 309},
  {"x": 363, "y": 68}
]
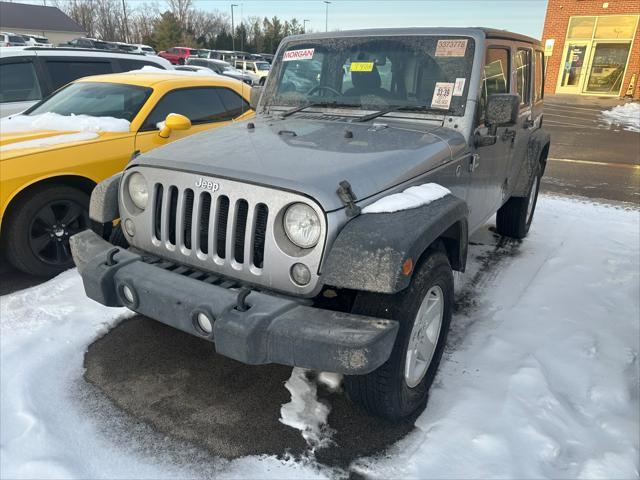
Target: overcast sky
[{"x": 522, "y": 16}]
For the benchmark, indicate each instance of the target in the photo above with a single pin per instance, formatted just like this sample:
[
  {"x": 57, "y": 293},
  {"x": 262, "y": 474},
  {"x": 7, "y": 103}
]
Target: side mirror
[
  {"x": 255, "y": 97},
  {"x": 174, "y": 121},
  {"x": 502, "y": 109}
]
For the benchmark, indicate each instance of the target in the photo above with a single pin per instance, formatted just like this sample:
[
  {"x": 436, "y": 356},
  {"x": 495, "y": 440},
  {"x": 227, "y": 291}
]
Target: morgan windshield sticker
[
  {"x": 451, "y": 48},
  {"x": 304, "y": 54},
  {"x": 442, "y": 94}
]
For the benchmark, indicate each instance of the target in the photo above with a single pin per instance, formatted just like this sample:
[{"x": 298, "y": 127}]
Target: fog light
[
  {"x": 127, "y": 293},
  {"x": 204, "y": 322},
  {"x": 129, "y": 227},
  {"x": 300, "y": 273}
]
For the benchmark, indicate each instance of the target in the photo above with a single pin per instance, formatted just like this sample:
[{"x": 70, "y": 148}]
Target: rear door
[
  {"x": 488, "y": 167},
  {"x": 60, "y": 70}
]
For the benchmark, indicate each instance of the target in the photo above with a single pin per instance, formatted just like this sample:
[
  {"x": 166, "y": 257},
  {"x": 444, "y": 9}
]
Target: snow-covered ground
[
  {"x": 627, "y": 116},
  {"x": 540, "y": 378}
]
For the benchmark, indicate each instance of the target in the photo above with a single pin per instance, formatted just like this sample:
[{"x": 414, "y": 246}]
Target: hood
[
  {"x": 15, "y": 144},
  {"x": 312, "y": 156}
]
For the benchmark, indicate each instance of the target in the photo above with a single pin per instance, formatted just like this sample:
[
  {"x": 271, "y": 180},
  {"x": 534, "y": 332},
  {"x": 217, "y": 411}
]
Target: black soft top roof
[{"x": 476, "y": 32}]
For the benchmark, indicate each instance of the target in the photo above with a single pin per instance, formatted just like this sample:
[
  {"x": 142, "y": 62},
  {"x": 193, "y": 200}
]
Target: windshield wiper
[
  {"x": 379, "y": 113},
  {"x": 308, "y": 105}
]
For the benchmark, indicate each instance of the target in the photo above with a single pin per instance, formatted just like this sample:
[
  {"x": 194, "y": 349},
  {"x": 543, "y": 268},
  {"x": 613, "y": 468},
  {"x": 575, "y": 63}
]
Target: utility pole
[
  {"x": 326, "y": 15},
  {"x": 304, "y": 26},
  {"x": 126, "y": 22},
  {"x": 233, "y": 30}
]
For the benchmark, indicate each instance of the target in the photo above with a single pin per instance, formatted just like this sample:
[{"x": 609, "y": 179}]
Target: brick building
[{"x": 592, "y": 47}]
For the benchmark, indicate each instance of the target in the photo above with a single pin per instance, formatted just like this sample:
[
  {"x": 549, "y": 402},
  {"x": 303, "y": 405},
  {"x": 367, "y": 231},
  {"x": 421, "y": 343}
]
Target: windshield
[
  {"x": 95, "y": 99},
  {"x": 421, "y": 73},
  {"x": 263, "y": 66}
]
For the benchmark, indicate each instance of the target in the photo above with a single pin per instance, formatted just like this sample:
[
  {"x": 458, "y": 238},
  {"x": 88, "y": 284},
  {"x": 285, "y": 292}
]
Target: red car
[{"x": 178, "y": 55}]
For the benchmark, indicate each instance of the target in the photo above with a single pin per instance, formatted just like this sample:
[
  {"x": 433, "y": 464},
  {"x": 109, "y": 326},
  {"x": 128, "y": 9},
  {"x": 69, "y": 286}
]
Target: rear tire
[
  {"x": 389, "y": 391},
  {"x": 514, "y": 217},
  {"x": 39, "y": 227}
]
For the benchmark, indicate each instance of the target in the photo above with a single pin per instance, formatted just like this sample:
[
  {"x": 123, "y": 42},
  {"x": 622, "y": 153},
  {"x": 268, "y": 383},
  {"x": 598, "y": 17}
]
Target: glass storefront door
[
  {"x": 607, "y": 67},
  {"x": 574, "y": 67}
]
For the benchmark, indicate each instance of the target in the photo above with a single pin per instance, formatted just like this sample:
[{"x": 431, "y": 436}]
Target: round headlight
[
  {"x": 138, "y": 190},
  {"x": 302, "y": 225}
]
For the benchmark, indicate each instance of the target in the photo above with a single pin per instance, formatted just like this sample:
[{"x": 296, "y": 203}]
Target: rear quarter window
[
  {"x": 19, "y": 82},
  {"x": 64, "y": 71}
]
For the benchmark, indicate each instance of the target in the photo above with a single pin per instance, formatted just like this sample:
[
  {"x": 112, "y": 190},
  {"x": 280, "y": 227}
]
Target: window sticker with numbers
[
  {"x": 442, "y": 94},
  {"x": 451, "y": 48}
]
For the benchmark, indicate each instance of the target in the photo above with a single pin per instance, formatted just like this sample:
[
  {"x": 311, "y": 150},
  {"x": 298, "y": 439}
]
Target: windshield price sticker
[
  {"x": 304, "y": 54},
  {"x": 362, "y": 66},
  {"x": 451, "y": 48},
  {"x": 442, "y": 94},
  {"x": 458, "y": 88}
]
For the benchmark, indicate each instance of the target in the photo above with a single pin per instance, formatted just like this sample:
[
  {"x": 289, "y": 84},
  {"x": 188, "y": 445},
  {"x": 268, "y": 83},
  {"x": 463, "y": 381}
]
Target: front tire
[
  {"x": 400, "y": 386},
  {"x": 39, "y": 227},
  {"x": 514, "y": 217}
]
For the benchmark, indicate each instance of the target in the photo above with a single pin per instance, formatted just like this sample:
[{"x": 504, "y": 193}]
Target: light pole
[
  {"x": 304, "y": 26},
  {"x": 233, "y": 30},
  {"x": 326, "y": 15}
]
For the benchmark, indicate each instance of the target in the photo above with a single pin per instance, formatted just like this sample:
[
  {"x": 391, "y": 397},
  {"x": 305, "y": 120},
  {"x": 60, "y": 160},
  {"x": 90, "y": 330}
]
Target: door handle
[
  {"x": 508, "y": 135},
  {"x": 474, "y": 162}
]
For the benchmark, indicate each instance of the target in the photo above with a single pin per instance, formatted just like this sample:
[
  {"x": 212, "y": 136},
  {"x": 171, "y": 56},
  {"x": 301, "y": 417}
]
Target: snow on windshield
[{"x": 63, "y": 123}]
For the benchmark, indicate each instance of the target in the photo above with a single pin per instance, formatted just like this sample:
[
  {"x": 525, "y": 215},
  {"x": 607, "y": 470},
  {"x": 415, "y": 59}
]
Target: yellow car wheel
[{"x": 39, "y": 227}]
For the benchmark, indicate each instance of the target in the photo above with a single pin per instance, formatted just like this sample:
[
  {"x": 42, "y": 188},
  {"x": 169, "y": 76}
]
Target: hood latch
[{"x": 348, "y": 198}]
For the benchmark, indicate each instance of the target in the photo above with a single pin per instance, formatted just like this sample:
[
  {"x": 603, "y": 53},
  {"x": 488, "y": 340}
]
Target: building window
[
  {"x": 581, "y": 27},
  {"x": 616, "y": 27}
]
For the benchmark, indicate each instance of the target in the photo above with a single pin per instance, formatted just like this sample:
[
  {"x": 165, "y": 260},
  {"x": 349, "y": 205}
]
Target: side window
[
  {"x": 539, "y": 77},
  {"x": 19, "y": 82},
  {"x": 65, "y": 71},
  {"x": 200, "y": 105},
  {"x": 523, "y": 75},
  {"x": 233, "y": 103},
  {"x": 495, "y": 75}
]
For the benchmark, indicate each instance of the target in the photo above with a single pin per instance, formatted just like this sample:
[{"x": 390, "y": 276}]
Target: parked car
[
  {"x": 35, "y": 41},
  {"x": 258, "y": 68},
  {"x": 223, "y": 68},
  {"x": 27, "y": 75},
  {"x": 85, "y": 42},
  {"x": 268, "y": 57},
  {"x": 324, "y": 233},
  {"x": 51, "y": 161},
  {"x": 145, "y": 49},
  {"x": 11, "y": 40},
  {"x": 178, "y": 55}
]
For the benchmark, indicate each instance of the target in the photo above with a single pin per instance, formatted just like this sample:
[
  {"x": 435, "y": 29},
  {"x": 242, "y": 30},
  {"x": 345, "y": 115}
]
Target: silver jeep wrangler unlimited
[{"x": 296, "y": 238}]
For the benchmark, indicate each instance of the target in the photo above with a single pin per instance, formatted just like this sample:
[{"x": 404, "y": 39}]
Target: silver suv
[{"x": 324, "y": 233}]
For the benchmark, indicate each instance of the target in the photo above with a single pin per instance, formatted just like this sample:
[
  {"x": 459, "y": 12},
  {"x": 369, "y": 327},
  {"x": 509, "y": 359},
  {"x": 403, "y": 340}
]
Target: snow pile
[
  {"x": 412, "y": 197},
  {"x": 50, "y": 141},
  {"x": 304, "y": 412},
  {"x": 204, "y": 72},
  {"x": 63, "y": 123},
  {"x": 540, "y": 379},
  {"x": 627, "y": 115}
]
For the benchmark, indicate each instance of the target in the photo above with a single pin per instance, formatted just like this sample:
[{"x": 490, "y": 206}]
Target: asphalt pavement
[{"x": 176, "y": 384}]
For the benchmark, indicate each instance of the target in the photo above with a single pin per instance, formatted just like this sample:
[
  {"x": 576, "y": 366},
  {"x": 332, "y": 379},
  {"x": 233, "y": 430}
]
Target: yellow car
[{"x": 52, "y": 155}]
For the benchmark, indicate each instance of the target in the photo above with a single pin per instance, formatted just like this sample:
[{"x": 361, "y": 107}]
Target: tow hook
[
  {"x": 111, "y": 257},
  {"x": 241, "y": 305}
]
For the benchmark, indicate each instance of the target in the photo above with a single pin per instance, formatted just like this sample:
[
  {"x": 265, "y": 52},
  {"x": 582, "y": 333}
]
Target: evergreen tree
[{"x": 167, "y": 32}]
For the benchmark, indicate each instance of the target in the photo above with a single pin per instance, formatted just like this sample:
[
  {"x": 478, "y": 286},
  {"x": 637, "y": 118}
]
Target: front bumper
[{"x": 274, "y": 329}]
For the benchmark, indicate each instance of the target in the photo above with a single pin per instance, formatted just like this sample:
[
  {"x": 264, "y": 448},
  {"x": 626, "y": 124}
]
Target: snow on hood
[
  {"x": 627, "y": 116},
  {"x": 63, "y": 123},
  {"x": 412, "y": 197},
  {"x": 50, "y": 141},
  {"x": 187, "y": 73}
]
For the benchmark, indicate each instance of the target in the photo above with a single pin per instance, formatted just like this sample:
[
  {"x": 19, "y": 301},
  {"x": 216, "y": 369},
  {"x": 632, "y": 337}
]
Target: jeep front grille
[
  {"x": 228, "y": 228},
  {"x": 206, "y": 222}
]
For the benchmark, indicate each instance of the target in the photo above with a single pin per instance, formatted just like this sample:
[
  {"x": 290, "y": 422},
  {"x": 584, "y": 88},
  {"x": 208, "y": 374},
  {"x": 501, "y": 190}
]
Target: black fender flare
[
  {"x": 372, "y": 251},
  {"x": 537, "y": 151}
]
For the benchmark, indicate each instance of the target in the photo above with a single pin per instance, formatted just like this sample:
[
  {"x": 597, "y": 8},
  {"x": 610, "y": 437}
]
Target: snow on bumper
[{"x": 272, "y": 330}]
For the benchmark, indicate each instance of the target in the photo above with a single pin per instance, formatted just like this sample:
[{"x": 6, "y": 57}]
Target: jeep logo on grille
[{"x": 205, "y": 184}]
